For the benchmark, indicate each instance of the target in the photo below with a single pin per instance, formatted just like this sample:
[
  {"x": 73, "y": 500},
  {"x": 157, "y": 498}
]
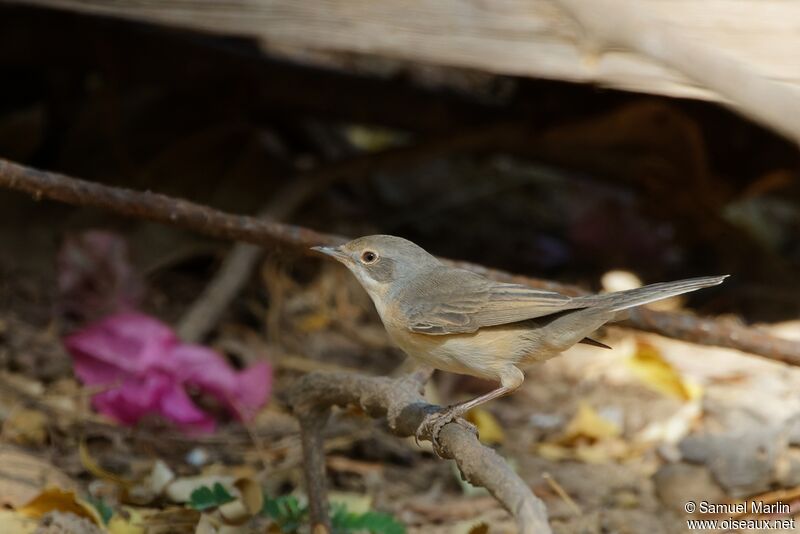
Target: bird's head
[{"x": 379, "y": 261}]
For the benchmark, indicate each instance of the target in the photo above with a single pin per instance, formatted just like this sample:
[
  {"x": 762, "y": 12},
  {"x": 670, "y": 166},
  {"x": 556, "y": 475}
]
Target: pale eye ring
[{"x": 369, "y": 257}]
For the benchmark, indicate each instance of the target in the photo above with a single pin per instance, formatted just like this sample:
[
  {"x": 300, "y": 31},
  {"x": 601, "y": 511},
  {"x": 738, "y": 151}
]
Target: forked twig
[{"x": 401, "y": 402}]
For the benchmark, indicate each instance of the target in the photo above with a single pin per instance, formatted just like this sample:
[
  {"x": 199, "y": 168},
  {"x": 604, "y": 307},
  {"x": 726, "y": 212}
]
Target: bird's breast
[{"x": 485, "y": 353}]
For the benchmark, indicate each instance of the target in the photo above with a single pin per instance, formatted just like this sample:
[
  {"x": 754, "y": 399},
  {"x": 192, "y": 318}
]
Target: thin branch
[
  {"x": 205, "y": 312},
  {"x": 242, "y": 259},
  {"x": 228, "y": 282},
  {"x": 400, "y": 401},
  {"x": 202, "y": 219},
  {"x": 312, "y": 423}
]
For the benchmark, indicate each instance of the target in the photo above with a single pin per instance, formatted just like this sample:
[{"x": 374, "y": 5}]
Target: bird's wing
[{"x": 456, "y": 301}]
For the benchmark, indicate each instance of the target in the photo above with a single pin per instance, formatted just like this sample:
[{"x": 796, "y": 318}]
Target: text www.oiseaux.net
[
  {"x": 741, "y": 524},
  {"x": 734, "y": 523}
]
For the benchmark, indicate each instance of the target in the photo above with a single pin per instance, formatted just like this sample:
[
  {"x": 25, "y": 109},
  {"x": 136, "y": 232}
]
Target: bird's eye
[{"x": 369, "y": 257}]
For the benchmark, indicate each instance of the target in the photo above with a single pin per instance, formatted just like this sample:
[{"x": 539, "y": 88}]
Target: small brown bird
[{"x": 459, "y": 321}]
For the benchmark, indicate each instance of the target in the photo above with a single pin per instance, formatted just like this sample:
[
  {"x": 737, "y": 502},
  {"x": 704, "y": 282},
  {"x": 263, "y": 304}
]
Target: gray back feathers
[{"x": 454, "y": 301}]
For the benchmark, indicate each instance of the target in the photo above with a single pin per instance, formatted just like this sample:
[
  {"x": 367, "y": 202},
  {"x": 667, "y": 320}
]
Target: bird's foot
[{"x": 433, "y": 423}]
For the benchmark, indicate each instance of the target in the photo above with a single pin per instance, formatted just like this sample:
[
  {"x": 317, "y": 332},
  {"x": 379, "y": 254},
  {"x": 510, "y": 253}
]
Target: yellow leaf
[
  {"x": 658, "y": 374},
  {"x": 553, "y": 452},
  {"x": 602, "y": 452},
  {"x": 15, "y": 523},
  {"x": 63, "y": 501},
  {"x": 357, "y": 503},
  {"x": 489, "y": 428},
  {"x": 588, "y": 438},
  {"x": 587, "y": 423},
  {"x": 26, "y": 427},
  {"x": 95, "y": 469},
  {"x": 129, "y": 523},
  {"x": 591, "y": 453},
  {"x": 314, "y": 322},
  {"x": 371, "y": 139}
]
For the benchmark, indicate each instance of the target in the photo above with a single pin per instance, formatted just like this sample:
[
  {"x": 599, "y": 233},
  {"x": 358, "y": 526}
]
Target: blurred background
[{"x": 519, "y": 137}]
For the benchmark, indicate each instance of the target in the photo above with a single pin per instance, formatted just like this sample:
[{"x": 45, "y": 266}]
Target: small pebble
[
  {"x": 546, "y": 421},
  {"x": 197, "y": 457}
]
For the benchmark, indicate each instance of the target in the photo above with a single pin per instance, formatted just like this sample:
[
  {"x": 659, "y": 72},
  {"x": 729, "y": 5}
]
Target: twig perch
[
  {"x": 202, "y": 219},
  {"x": 400, "y": 401}
]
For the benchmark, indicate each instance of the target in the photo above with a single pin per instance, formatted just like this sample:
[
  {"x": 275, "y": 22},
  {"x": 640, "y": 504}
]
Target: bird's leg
[{"x": 433, "y": 423}]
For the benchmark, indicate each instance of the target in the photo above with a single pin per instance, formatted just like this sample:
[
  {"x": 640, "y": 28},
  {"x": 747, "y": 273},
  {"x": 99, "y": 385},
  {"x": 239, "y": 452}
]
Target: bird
[{"x": 459, "y": 321}]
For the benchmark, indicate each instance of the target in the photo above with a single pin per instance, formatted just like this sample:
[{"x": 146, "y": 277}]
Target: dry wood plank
[
  {"x": 524, "y": 37},
  {"x": 537, "y": 38}
]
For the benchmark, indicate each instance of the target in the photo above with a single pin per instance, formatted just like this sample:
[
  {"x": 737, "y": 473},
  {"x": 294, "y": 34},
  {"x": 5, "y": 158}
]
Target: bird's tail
[{"x": 622, "y": 300}]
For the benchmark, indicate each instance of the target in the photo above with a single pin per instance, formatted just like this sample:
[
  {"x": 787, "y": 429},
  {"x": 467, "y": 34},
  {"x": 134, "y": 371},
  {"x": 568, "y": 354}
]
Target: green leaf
[
  {"x": 286, "y": 511},
  {"x": 102, "y": 508},
  {"x": 221, "y": 494},
  {"x": 204, "y": 498},
  {"x": 344, "y": 522},
  {"x": 290, "y": 515}
]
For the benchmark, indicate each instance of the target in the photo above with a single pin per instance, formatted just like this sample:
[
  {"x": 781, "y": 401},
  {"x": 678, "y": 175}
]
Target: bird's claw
[{"x": 433, "y": 423}]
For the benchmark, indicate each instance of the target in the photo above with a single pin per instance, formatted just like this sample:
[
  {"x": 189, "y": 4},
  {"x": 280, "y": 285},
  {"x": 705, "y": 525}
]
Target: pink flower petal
[
  {"x": 255, "y": 386},
  {"x": 178, "y": 407},
  {"x": 147, "y": 368},
  {"x": 133, "y": 399},
  {"x": 242, "y": 392},
  {"x": 130, "y": 341}
]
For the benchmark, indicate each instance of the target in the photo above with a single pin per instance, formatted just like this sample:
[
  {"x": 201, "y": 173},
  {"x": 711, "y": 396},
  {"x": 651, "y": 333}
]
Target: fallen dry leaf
[
  {"x": 314, "y": 322},
  {"x": 181, "y": 489},
  {"x": 23, "y": 476},
  {"x": 674, "y": 428},
  {"x": 649, "y": 366},
  {"x": 553, "y": 452},
  {"x": 15, "y": 523},
  {"x": 95, "y": 469},
  {"x": 171, "y": 521},
  {"x": 480, "y": 528},
  {"x": 489, "y": 429},
  {"x": 55, "y": 499},
  {"x": 603, "y": 451},
  {"x": 129, "y": 521},
  {"x": 443, "y": 511},
  {"x": 588, "y": 438},
  {"x": 587, "y": 423},
  {"x": 26, "y": 426},
  {"x": 358, "y": 503},
  {"x": 248, "y": 503},
  {"x": 348, "y": 465}
]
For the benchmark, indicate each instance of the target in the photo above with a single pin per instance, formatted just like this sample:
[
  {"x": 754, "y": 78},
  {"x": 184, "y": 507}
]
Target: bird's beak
[{"x": 334, "y": 252}]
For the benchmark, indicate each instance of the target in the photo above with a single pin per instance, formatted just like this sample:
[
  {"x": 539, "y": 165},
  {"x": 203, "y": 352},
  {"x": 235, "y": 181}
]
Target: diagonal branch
[
  {"x": 400, "y": 401},
  {"x": 240, "y": 262},
  {"x": 202, "y": 219}
]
